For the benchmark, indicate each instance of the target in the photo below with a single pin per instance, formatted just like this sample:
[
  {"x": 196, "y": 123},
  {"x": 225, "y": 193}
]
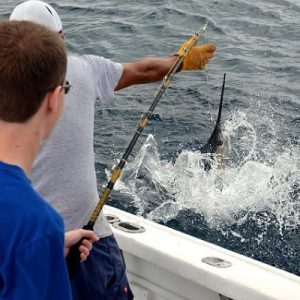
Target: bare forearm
[{"x": 144, "y": 71}]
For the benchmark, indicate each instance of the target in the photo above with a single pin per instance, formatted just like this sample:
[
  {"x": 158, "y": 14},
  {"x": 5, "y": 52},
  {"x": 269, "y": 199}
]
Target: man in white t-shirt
[{"x": 64, "y": 172}]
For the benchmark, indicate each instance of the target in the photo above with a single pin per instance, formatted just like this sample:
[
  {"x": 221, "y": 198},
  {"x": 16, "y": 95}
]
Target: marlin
[{"x": 216, "y": 145}]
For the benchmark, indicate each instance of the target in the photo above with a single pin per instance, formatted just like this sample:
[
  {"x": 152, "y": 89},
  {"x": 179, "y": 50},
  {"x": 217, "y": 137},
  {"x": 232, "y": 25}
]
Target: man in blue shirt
[{"x": 32, "y": 240}]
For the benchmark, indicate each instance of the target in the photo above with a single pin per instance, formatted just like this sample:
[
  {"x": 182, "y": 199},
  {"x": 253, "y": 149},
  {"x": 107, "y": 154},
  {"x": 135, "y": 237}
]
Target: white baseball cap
[{"x": 38, "y": 12}]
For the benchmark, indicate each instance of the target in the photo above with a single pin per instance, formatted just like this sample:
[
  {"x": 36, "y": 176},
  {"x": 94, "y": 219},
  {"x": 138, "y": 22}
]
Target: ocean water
[{"x": 252, "y": 206}]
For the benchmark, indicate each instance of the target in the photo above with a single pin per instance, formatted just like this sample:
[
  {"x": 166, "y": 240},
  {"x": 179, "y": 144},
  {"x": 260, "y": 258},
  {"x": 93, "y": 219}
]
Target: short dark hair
[{"x": 33, "y": 61}]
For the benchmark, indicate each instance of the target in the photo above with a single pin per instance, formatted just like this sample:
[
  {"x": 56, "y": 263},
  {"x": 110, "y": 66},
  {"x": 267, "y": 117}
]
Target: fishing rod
[
  {"x": 73, "y": 256},
  {"x": 116, "y": 172}
]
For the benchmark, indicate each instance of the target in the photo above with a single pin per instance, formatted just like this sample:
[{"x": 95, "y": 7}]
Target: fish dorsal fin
[{"x": 221, "y": 102}]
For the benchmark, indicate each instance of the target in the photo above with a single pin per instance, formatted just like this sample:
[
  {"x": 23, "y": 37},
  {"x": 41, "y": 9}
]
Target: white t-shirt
[{"x": 64, "y": 172}]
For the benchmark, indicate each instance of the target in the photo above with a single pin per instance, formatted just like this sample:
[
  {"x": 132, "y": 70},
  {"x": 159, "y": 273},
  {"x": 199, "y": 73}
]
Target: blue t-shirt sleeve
[{"x": 39, "y": 272}]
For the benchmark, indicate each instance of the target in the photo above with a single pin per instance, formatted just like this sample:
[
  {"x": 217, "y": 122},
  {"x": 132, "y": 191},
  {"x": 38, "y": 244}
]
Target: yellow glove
[{"x": 198, "y": 57}]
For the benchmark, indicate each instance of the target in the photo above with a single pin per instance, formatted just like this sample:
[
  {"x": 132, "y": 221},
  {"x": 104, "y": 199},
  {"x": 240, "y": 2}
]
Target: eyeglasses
[{"x": 66, "y": 87}]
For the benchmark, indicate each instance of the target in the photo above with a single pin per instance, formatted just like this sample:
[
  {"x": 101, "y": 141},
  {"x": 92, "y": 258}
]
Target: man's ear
[{"x": 53, "y": 99}]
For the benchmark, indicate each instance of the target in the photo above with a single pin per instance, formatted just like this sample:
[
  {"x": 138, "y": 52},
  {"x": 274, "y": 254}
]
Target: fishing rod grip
[{"x": 73, "y": 257}]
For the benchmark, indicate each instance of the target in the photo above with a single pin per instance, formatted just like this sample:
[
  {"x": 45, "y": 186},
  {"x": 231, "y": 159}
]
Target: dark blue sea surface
[{"x": 252, "y": 206}]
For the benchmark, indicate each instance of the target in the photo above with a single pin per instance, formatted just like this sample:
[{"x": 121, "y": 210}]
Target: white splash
[{"x": 254, "y": 180}]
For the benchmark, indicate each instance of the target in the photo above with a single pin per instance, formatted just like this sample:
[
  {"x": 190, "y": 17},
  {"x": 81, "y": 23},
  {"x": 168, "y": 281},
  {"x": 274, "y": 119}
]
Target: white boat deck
[{"x": 166, "y": 264}]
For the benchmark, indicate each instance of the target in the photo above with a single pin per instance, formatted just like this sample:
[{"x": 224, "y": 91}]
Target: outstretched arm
[
  {"x": 153, "y": 69},
  {"x": 144, "y": 71}
]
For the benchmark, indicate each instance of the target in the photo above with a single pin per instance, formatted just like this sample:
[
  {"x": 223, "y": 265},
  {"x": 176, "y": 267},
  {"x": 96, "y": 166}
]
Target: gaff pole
[{"x": 143, "y": 122}]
